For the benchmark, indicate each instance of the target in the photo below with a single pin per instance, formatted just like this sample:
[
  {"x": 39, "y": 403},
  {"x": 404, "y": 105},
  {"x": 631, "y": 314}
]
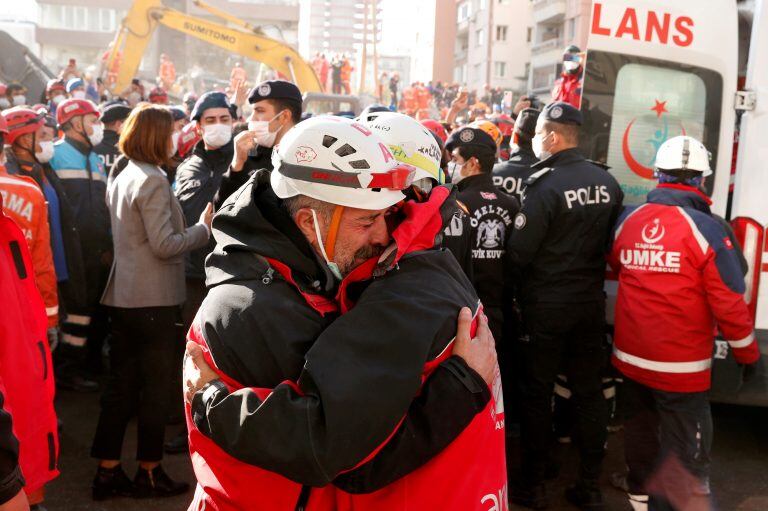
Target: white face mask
[
  {"x": 175, "y": 142},
  {"x": 217, "y": 135},
  {"x": 58, "y": 99},
  {"x": 4, "y": 103},
  {"x": 19, "y": 100},
  {"x": 78, "y": 94},
  {"x": 46, "y": 152},
  {"x": 454, "y": 169},
  {"x": 537, "y": 144},
  {"x": 264, "y": 137},
  {"x": 331, "y": 265},
  {"x": 570, "y": 66},
  {"x": 97, "y": 135}
]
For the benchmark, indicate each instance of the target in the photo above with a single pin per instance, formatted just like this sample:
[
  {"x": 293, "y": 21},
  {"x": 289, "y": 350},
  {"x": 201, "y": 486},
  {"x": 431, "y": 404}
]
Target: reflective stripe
[
  {"x": 72, "y": 340},
  {"x": 78, "y": 320},
  {"x": 663, "y": 367},
  {"x": 72, "y": 173},
  {"x": 15, "y": 181},
  {"x": 703, "y": 243},
  {"x": 743, "y": 343},
  {"x": 50, "y": 311}
]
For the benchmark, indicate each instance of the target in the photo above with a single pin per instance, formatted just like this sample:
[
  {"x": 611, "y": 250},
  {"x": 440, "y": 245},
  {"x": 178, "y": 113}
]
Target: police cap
[
  {"x": 470, "y": 136},
  {"x": 114, "y": 111},
  {"x": 562, "y": 113},
  {"x": 275, "y": 89},
  {"x": 213, "y": 99}
]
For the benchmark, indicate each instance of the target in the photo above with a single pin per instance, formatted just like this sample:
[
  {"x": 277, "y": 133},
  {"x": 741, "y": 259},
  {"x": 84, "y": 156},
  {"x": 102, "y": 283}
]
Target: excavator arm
[{"x": 138, "y": 26}]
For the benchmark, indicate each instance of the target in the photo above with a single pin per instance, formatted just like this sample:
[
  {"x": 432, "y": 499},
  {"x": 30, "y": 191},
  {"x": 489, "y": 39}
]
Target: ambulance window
[{"x": 632, "y": 105}]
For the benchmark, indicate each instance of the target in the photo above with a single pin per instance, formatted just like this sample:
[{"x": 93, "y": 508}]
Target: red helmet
[
  {"x": 158, "y": 95},
  {"x": 21, "y": 120},
  {"x": 188, "y": 139},
  {"x": 436, "y": 128},
  {"x": 72, "y": 107},
  {"x": 3, "y": 125},
  {"x": 54, "y": 85},
  {"x": 505, "y": 124}
]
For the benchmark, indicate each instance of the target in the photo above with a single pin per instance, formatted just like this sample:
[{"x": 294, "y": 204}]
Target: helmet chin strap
[{"x": 328, "y": 247}]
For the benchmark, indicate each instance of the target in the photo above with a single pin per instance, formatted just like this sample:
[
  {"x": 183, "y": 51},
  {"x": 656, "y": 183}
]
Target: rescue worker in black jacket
[
  {"x": 197, "y": 182},
  {"x": 491, "y": 215},
  {"x": 12, "y": 497},
  {"x": 558, "y": 250},
  {"x": 276, "y": 109},
  {"x": 113, "y": 115},
  {"x": 511, "y": 175}
]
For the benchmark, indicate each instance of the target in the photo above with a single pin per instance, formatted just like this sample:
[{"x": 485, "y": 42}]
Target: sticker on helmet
[
  {"x": 305, "y": 154},
  {"x": 520, "y": 221},
  {"x": 467, "y": 135},
  {"x": 264, "y": 89},
  {"x": 556, "y": 112}
]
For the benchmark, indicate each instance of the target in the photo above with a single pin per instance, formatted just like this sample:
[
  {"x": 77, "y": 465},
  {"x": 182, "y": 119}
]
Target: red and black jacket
[{"x": 326, "y": 386}]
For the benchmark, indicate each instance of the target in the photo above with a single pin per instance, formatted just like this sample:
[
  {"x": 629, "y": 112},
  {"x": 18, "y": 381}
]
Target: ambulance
[{"x": 658, "y": 69}]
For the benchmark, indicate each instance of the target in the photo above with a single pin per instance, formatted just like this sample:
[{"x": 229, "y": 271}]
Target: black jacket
[
  {"x": 108, "y": 151},
  {"x": 511, "y": 175},
  {"x": 198, "y": 180},
  {"x": 359, "y": 373},
  {"x": 561, "y": 234},
  {"x": 11, "y": 480},
  {"x": 491, "y": 214},
  {"x": 232, "y": 180}
]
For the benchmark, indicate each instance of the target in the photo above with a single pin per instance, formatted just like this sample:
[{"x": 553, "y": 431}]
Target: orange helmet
[
  {"x": 21, "y": 120},
  {"x": 491, "y": 129}
]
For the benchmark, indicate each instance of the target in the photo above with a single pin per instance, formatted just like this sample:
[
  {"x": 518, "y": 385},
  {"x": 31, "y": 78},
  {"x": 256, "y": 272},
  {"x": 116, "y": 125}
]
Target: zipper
[{"x": 301, "y": 504}]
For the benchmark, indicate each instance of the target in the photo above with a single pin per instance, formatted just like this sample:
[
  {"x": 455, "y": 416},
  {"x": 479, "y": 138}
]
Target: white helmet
[
  {"x": 339, "y": 161},
  {"x": 683, "y": 153},
  {"x": 410, "y": 143}
]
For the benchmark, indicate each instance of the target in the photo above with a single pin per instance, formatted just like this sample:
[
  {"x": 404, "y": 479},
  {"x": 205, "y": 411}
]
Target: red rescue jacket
[
  {"x": 568, "y": 88},
  {"x": 25, "y": 359},
  {"x": 679, "y": 276}
]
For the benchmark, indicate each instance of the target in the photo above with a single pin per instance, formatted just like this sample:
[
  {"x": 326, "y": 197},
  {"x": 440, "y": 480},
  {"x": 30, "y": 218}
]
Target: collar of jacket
[
  {"x": 82, "y": 148},
  {"x": 564, "y": 157},
  {"x": 111, "y": 137},
  {"x": 520, "y": 153},
  {"x": 23, "y": 167},
  {"x": 680, "y": 195},
  {"x": 484, "y": 180},
  {"x": 215, "y": 157}
]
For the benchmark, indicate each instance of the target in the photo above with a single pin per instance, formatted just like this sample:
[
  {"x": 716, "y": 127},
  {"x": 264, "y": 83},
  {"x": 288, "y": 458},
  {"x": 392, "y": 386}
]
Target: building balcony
[
  {"x": 460, "y": 56},
  {"x": 548, "y": 10},
  {"x": 547, "y": 46}
]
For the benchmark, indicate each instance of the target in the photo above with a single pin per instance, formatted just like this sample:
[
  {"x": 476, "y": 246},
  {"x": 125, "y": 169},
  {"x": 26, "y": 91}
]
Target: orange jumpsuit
[
  {"x": 25, "y": 204},
  {"x": 167, "y": 73}
]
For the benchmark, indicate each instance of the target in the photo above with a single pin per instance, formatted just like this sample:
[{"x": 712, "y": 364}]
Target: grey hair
[{"x": 293, "y": 204}]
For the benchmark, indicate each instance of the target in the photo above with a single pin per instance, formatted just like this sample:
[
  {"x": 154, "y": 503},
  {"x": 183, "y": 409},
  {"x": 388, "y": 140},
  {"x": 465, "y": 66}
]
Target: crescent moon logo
[{"x": 634, "y": 165}]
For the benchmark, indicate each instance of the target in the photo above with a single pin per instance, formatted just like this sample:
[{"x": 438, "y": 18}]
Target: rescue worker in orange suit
[
  {"x": 26, "y": 375},
  {"x": 678, "y": 274},
  {"x": 568, "y": 87},
  {"x": 26, "y": 205},
  {"x": 167, "y": 72},
  {"x": 410, "y": 101},
  {"x": 346, "y": 74},
  {"x": 301, "y": 246}
]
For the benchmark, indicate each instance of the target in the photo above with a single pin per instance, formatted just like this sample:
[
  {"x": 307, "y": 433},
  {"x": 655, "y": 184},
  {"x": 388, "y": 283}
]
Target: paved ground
[{"x": 740, "y": 477}]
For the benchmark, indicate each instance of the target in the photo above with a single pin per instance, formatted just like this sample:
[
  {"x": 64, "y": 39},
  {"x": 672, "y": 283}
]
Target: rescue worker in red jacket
[
  {"x": 679, "y": 274},
  {"x": 26, "y": 205},
  {"x": 25, "y": 359},
  {"x": 303, "y": 398},
  {"x": 568, "y": 87}
]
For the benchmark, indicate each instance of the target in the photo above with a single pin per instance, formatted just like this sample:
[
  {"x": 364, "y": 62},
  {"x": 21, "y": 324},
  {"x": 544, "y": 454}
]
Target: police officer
[
  {"x": 277, "y": 106},
  {"x": 558, "y": 250},
  {"x": 511, "y": 175},
  {"x": 113, "y": 115}
]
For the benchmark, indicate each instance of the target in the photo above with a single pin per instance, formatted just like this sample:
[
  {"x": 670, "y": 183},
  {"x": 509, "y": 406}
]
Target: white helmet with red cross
[{"x": 339, "y": 161}]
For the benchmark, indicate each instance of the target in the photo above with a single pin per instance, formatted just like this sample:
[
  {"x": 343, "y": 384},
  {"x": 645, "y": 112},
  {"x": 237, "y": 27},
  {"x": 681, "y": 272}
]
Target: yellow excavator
[{"x": 137, "y": 28}]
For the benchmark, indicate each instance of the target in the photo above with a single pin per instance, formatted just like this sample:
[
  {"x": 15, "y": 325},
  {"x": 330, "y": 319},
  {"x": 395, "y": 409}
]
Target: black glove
[{"x": 748, "y": 371}]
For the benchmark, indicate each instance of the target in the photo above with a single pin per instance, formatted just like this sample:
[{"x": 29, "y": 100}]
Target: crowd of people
[{"x": 376, "y": 310}]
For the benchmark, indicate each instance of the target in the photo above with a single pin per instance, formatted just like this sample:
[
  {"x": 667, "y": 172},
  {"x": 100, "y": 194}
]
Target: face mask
[
  {"x": 331, "y": 266},
  {"x": 217, "y": 135},
  {"x": 264, "y": 137},
  {"x": 46, "y": 152},
  {"x": 537, "y": 144},
  {"x": 570, "y": 66},
  {"x": 79, "y": 94},
  {"x": 19, "y": 100},
  {"x": 134, "y": 98},
  {"x": 97, "y": 136},
  {"x": 175, "y": 142},
  {"x": 57, "y": 99},
  {"x": 454, "y": 169}
]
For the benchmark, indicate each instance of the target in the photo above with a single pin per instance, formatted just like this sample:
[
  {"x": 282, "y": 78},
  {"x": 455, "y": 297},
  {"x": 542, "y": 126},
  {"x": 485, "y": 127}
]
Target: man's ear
[{"x": 306, "y": 223}]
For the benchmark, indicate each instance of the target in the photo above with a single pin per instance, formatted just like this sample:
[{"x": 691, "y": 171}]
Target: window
[
  {"x": 572, "y": 28},
  {"x": 503, "y": 2},
  {"x": 476, "y": 72},
  {"x": 529, "y": 35},
  {"x": 500, "y": 69},
  {"x": 463, "y": 11},
  {"x": 479, "y": 37},
  {"x": 501, "y": 32},
  {"x": 482, "y": 5}
]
